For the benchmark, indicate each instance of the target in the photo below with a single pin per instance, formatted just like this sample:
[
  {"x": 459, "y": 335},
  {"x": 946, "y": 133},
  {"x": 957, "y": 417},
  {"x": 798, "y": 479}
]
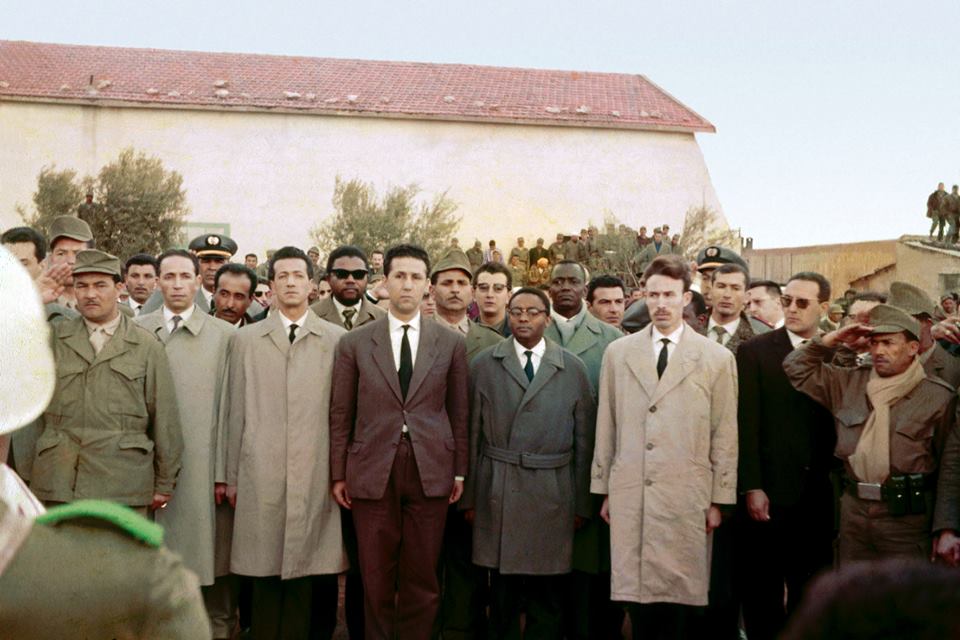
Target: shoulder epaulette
[
  {"x": 941, "y": 382},
  {"x": 118, "y": 515}
]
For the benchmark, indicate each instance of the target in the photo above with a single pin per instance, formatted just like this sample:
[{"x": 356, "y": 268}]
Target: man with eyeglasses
[
  {"x": 531, "y": 444},
  {"x": 347, "y": 306},
  {"x": 665, "y": 457},
  {"x": 573, "y": 327},
  {"x": 491, "y": 289},
  {"x": 785, "y": 521},
  {"x": 896, "y": 429}
]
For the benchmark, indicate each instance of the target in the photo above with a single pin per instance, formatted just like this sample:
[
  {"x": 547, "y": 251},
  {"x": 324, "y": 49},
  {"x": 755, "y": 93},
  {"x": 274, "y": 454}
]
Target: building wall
[
  {"x": 270, "y": 176},
  {"x": 839, "y": 263},
  {"x": 936, "y": 271}
]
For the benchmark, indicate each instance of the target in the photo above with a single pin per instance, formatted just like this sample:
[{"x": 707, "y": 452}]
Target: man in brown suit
[
  {"x": 347, "y": 306},
  {"x": 398, "y": 462}
]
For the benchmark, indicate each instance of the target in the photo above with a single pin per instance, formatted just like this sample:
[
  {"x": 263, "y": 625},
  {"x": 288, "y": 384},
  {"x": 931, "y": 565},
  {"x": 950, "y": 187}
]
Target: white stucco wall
[{"x": 271, "y": 175}]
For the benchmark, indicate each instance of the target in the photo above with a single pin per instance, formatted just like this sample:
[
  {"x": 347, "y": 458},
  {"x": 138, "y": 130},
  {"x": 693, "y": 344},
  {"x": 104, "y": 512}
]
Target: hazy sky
[{"x": 834, "y": 120}]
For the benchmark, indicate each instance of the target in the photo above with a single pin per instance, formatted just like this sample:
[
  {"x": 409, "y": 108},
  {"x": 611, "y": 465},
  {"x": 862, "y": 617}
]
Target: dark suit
[
  {"x": 399, "y": 485},
  {"x": 786, "y": 444},
  {"x": 366, "y": 313}
]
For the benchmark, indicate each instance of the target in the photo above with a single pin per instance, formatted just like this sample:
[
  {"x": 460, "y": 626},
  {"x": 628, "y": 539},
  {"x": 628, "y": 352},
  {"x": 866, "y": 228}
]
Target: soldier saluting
[{"x": 893, "y": 422}]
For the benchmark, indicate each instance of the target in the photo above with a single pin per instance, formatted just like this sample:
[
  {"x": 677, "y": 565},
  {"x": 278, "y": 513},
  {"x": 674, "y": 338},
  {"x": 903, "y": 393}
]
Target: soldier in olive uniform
[
  {"x": 556, "y": 249},
  {"x": 86, "y": 570},
  {"x": 475, "y": 255},
  {"x": 935, "y": 211},
  {"x": 462, "y": 605},
  {"x": 892, "y": 421},
  {"x": 112, "y": 430},
  {"x": 522, "y": 253},
  {"x": 69, "y": 235},
  {"x": 951, "y": 208}
]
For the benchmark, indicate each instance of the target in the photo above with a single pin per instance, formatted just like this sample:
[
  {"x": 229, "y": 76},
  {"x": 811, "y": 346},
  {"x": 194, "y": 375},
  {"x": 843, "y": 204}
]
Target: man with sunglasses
[
  {"x": 785, "y": 518},
  {"x": 348, "y": 307},
  {"x": 893, "y": 421},
  {"x": 531, "y": 445}
]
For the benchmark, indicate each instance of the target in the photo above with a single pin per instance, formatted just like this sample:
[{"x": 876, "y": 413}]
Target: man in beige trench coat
[
  {"x": 286, "y": 532},
  {"x": 665, "y": 457}
]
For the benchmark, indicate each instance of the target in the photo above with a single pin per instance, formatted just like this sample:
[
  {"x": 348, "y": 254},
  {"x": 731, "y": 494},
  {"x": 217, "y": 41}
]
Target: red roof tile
[{"x": 162, "y": 78}]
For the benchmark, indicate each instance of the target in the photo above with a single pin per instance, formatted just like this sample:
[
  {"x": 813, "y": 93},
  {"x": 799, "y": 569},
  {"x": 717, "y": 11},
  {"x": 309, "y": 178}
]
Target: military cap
[
  {"x": 887, "y": 319},
  {"x": 835, "y": 308},
  {"x": 95, "y": 261},
  {"x": 714, "y": 256},
  {"x": 213, "y": 244},
  {"x": 453, "y": 259},
  {"x": 69, "y": 227},
  {"x": 911, "y": 299}
]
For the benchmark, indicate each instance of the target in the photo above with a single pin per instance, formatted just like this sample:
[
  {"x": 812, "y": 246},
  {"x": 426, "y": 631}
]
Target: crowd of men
[{"x": 490, "y": 451}]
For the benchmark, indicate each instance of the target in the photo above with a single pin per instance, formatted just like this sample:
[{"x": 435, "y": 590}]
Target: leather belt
[{"x": 528, "y": 460}]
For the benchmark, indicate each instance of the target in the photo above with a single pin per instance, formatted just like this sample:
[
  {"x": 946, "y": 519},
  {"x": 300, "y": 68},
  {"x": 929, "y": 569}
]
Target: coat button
[
  {"x": 653, "y": 409},
  {"x": 648, "y": 482},
  {"x": 649, "y": 446}
]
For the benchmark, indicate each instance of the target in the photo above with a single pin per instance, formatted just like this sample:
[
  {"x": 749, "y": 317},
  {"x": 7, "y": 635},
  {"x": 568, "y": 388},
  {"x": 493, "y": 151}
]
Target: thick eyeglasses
[
  {"x": 342, "y": 274},
  {"x": 802, "y": 303},
  {"x": 259, "y": 294},
  {"x": 533, "y": 313}
]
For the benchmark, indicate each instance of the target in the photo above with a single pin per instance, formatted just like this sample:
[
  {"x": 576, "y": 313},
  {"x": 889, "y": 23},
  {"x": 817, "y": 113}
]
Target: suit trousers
[
  {"x": 399, "y": 537},
  {"x": 721, "y": 618},
  {"x": 353, "y": 592},
  {"x": 663, "y": 621},
  {"x": 786, "y": 551},
  {"x": 297, "y": 609},
  {"x": 220, "y": 599},
  {"x": 463, "y": 605},
  {"x": 869, "y": 532},
  {"x": 543, "y": 597}
]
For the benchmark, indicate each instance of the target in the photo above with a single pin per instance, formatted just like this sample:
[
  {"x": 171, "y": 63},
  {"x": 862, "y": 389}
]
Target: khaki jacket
[
  {"x": 112, "y": 430},
  {"x": 919, "y": 421},
  {"x": 666, "y": 449}
]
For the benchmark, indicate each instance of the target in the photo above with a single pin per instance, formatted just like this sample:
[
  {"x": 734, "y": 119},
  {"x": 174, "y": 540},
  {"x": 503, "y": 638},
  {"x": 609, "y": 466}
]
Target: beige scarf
[{"x": 871, "y": 459}]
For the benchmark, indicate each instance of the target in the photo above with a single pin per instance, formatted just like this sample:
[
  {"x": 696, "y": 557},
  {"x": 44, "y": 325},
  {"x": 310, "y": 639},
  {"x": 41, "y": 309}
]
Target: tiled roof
[{"x": 328, "y": 86}]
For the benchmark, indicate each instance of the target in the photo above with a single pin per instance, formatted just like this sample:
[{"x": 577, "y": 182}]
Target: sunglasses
[
  {"x": 343, "y": 274},
  {"x": 802, "y": 303},
  {"x": 259, "y": 294}
]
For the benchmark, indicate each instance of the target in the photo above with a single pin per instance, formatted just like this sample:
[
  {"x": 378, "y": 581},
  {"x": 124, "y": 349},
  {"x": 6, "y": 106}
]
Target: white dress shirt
[
  {"x": 396, "y": 337},
  {"x": 730, "y": 328},
  {"x": 208, "y": 295},
  {"x": 795, "y": 340},
  {"x": 299, "y": 322},
  {"x": 135, "y": 306},
  {"x": 538, "y": 351},
  {"x": 168, "y": 317},
  {"x": 671, "y": 346}
]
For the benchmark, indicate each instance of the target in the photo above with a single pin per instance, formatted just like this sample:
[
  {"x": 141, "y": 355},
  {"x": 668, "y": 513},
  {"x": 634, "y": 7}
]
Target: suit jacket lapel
[
  {"x": 383, "y": 356},
  {"x": 681, "y": 363},
  {"x": 504, "y": 351},
  {"x": 640, "y": 362},
  {"x": 273, "y": 327},
  {"x": 426, "y": 355},
  {"x": 585, "y": 336}
]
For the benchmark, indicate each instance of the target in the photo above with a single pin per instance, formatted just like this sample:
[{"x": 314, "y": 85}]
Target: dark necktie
[
  {"x": 719, "y": 332},
  {"x": 348, "y": 318},
  {"x": 176, "y": 322},
  {"x": 293, "y": 332},
  {"x": 662, "y": 358},
  {"x": 406, "y": 362},
  {"x": 528, "y": 368}
]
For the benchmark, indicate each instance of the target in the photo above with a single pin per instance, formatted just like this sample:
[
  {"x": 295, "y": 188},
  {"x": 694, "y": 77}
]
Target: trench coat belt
[{"x": 528, "y": 460}]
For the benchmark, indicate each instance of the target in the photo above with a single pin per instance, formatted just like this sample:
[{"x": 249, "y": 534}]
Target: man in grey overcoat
[
  {"x": 196, "y": 345},
  {"x": 531, "y": 443}
]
